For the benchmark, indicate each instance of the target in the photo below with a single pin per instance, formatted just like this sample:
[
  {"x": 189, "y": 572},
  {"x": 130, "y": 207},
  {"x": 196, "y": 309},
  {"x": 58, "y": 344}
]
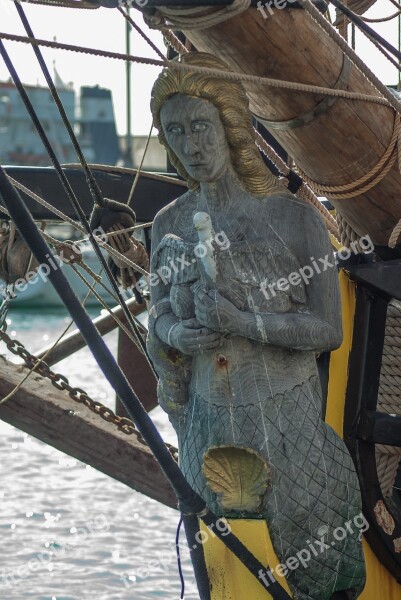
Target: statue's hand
[
  {"x": 216, "y": 312},
  {"x": 191, "y": 338}
]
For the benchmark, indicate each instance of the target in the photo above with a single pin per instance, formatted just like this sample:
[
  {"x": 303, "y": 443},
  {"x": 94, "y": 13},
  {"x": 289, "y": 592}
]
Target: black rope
[
  {"x": 178, "y": 552},
  {"x": 354, "y": 18},
  {"x": 191, "y": 525},
  {"x": 189, "y": 500},
  {"x": 93, "y": 186},
  {"x": 68, "y": 189}
]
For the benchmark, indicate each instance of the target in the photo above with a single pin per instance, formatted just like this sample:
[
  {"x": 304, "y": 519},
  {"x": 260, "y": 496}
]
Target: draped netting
[{"x": 248, "y": 393}]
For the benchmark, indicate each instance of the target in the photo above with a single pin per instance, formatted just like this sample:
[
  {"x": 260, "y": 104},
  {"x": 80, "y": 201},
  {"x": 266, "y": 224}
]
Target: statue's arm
[
  {"x": 165, "y": 328},
  {"x": 161, "y": 316},
  {"x": 319, "y": 327},
  {"x": 317, "y": 324}
]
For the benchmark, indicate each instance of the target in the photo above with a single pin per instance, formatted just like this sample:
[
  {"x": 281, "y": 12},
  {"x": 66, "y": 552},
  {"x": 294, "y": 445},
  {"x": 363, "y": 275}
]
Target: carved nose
[{"x": 190, "y": 148}]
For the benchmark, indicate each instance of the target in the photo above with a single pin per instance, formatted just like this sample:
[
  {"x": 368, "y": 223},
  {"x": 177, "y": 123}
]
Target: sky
[{"x": 105, "y": 28}]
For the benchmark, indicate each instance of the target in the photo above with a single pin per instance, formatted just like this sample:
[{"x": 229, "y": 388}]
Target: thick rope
[
  {"x": 347, "y": 234},
  {"x": 141, "y": 33},
  {"x": 383, "y": 19},
  {"x": 194, "y": 17},
  {"x": 367, "y": 181},
  {"x": 228, "y": 75},
  {"x": 389, "y": 398},
  {"x": 173, "y": 41},
  {"x": 66, "y": 3}
]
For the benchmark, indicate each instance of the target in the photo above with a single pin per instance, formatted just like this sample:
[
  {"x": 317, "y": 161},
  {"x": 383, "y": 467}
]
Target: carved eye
[
  {"x": 175, "y": 129},
  {"x": 199, "y": 126}
]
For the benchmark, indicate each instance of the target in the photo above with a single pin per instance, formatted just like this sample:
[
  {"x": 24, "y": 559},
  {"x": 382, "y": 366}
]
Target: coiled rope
[
  {"x": 370, "y": 179},
  {"x": 194, "y": 17},
  {"x": 370, "y": 76}
]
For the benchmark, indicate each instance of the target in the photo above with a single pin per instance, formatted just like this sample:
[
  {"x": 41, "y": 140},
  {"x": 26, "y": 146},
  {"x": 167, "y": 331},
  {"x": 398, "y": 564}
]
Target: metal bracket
[
  {"x": 382, "y": 277},
  {"x": 319, "y": 109}
]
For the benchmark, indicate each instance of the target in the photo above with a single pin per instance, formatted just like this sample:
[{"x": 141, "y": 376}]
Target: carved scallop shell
[{"x": 238, "y": 475}]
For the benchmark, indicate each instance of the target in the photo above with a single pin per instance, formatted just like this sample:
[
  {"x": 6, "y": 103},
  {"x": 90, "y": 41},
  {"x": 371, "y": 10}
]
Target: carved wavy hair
[{"x": 230, "y": 98}]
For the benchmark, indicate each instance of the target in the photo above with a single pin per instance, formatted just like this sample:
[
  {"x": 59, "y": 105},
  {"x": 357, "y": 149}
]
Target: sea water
[{"x": 68, "y": 532}]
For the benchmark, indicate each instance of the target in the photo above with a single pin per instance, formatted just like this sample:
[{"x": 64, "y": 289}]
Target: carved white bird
[{"x": 205, "y": 249}]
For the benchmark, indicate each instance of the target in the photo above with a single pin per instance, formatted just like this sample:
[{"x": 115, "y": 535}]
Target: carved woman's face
[{"x": 195, "y": 133}]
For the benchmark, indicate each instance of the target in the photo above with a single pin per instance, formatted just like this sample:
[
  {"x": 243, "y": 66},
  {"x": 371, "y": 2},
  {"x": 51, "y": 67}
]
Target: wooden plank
[
  {"x": 74, "y": 341},
  {"x": 51, "y": 416}
]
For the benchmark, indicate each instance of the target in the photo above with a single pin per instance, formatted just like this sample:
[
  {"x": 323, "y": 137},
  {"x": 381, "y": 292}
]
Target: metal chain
[
  {"x": 76, "y": 394},
  {"x": 6, "y": 297}
]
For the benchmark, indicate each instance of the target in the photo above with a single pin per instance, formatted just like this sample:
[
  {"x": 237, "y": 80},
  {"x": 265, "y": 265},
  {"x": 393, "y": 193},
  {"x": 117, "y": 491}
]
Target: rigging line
[
  {"x": 90, "y": 286},
  {"x": 70, "y": 194},
  {"x": 173, "y": 41},
  {"x": 315, "y": 15},
  {"x": 67, "y": 219},
  {"x": 141, "y": 33},
  {"x": 92, "y": 184},
  {"x": 106, "y": 307},
  {"x": 189, "y": 500},
  {"x": 229, "y": 75},
  {"x": 79, "y": 227},
  {"x": 357, "y": 20},
  {"x": 383, "y": 19},
  {"x": 179, "y": 564},
  {"x": 82, "y": 4},
  {"x": 138, "y": 173},
  {"x": 396, "y": 64},
  {"x": 46, "y": 204},
  {"x": 96, "y": 277},
  {"x": 41, "y": 360}
]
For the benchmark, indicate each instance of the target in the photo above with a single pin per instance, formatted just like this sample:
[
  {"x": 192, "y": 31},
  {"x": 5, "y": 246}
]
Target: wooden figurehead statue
[{"x": 236, "y": 323}]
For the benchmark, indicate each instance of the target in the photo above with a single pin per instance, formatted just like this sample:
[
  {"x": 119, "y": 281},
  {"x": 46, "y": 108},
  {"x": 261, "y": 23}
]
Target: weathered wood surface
[
  {"x": 48, "y": 414},
  {"x": 336, "y": 147}
]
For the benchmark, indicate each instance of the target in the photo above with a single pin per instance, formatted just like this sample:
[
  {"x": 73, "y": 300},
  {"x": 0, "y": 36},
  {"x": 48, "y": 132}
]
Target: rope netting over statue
[{"x": 240, "y": 410}]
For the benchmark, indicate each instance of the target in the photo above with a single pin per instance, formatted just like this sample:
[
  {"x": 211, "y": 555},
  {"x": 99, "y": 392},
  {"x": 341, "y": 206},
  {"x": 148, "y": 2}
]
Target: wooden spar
[
  {"x": 50, "y": 415},
  {"x": 74, "y": 341},
  {"x": 336, "y": 147}
]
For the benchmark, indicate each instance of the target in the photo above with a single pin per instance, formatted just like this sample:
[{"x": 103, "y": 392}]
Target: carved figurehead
[{"x": 235, "y": 327}]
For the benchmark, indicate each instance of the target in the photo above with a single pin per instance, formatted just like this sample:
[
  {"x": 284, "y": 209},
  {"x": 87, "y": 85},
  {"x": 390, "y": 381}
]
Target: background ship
[{"x": 91, "y": 114}]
